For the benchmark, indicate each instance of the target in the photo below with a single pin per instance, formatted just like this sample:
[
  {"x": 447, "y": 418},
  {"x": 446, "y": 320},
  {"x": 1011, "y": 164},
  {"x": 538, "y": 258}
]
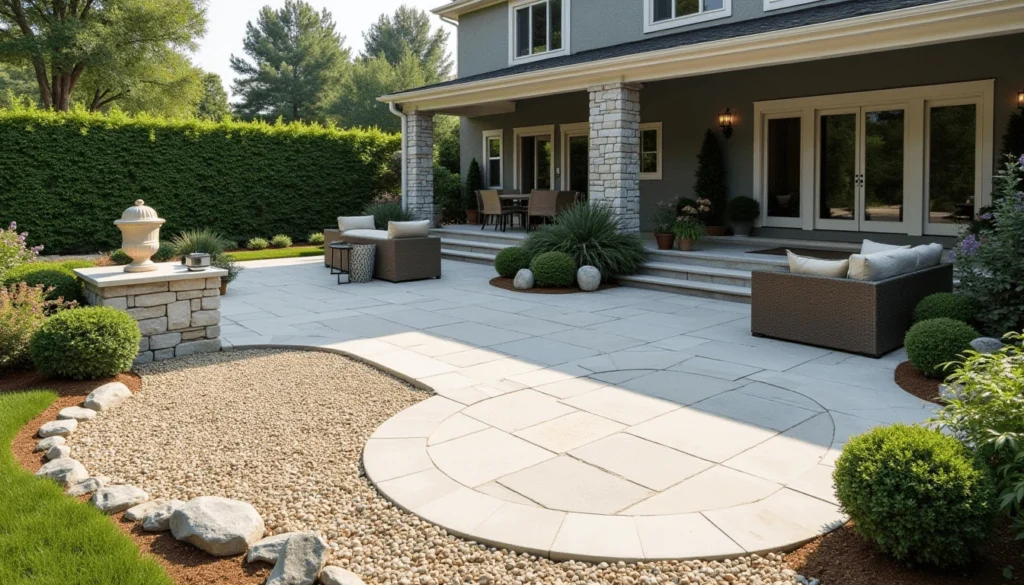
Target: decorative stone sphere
[
  {"x": 140, "y": 236},
  {"x": 986, "y": 345},
  {"x": 588, "y": 278},
  {"x": 524, "y": 279}
]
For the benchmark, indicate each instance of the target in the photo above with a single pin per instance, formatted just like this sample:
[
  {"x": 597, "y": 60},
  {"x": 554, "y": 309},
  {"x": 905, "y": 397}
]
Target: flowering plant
[
  {"x": 23, "y": 309},
  {"x": 689, "y": 225},
  {"x": 13, "y": 250}
]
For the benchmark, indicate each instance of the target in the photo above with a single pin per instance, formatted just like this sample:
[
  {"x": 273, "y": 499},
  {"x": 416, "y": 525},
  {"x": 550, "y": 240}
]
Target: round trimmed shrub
[
  {"x": 935, "y": 342},
  {"x": 742, "y": 209},
  {"x": 554, "y": 270},
  {"x": 165, "y": 253},
  {"x": 48, "y": 275},
  {"x": 919, "y": 495},
  {"x": 948, "y": 305},
  {"x": 316, "y": 239},
  {"x": 510, "y": 261},
  {"x": 280, "y": 241},
  {"x": 119, "y": 257},
  {"x": 87, "y": 343},
  {"x": 257, "y": 244}
]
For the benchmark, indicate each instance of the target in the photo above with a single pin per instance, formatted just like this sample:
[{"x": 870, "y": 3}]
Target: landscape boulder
[
  {"x": 107, "y": 396},
  {"x": 137, "y": 513},
  {"x": 65, "y": 471},
  {"x": 986, "y": 345},
  {"x": 588, "y": 278},
  {"x": 268, "y": 549},
  {"x": 76, "y": 413},
  {"x": 524, "y": 279},
  {"x": 158, "y": 519},
  {"x": 219, "y": 526},
  {"x": 49, "y": 442},
  {"x": 337, "y": 576},
  {"x": 88, "y": 486},
  {"x": 58, "y": 452},
  {"x": 301, "y": 560},
  {"x": 58, "y": 428},
  {"x": 118, "y": 498}
]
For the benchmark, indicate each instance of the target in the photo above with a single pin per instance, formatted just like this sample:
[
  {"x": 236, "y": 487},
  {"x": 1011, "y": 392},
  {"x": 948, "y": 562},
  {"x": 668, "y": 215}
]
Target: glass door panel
[
  {"x": 783, "y": 168},
  {"x": 952, "y": 181},
  {"x": 542, "y": 166},
  {"x": 579, "y": 164},
  {"x": 882, "y": 175},
  {"x": 837, "y": 171}
]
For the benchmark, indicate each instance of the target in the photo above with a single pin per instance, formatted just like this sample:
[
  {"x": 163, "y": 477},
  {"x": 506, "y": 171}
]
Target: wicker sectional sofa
[{"x": 398, "y": 260}]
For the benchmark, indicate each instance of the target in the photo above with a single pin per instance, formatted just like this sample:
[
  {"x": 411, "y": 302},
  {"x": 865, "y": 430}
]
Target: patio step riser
[
  {"x": 685, "y": 259},
  {"x": 462, "y": 256},
  {"x": 467, "y": 246},
  {"x": 682, "y": 275},
  {"x": 487, "y": 236},
  {"x": 687, "y": 291}
]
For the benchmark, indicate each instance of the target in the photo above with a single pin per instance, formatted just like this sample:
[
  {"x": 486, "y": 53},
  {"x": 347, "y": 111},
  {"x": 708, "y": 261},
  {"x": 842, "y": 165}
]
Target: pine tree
[
  {"x": 710, "y": 182},
  {"x": 408, "y": 30}
]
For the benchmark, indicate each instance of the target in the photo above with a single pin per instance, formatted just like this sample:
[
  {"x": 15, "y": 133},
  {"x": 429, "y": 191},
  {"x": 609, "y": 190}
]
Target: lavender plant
[{"x": 13, "y": 249}]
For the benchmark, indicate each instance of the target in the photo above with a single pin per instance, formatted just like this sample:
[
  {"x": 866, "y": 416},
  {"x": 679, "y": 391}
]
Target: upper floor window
[
  {"x": 539, "y": 29},
  {"x": 665, "y": 14},
  {"x": 776, "y": 4}
]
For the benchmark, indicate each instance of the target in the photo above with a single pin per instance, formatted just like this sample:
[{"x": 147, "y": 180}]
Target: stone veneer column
[
  {"x": 420, "y": 165},
  {"x": 615, "y": 151}
]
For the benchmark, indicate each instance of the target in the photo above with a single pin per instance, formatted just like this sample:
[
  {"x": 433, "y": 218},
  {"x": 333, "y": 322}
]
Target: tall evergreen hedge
[{"x": 66, "y": 177}]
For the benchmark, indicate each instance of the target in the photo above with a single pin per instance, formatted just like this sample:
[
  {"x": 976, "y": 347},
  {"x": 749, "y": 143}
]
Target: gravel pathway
[{"x": 285, "y": 431}]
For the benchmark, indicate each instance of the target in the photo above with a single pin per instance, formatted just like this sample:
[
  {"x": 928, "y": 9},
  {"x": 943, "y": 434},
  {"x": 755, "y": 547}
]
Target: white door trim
[{"x": 517, "y": 134}]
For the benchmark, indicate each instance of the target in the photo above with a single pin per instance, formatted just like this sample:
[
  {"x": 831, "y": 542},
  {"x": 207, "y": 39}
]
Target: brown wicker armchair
[{"x": 399, "y": 260}]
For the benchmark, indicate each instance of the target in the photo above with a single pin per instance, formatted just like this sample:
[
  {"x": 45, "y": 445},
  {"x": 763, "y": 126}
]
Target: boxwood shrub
[
  {"x": 510, "y": 261},
  {"x": 48, "y": 275},
  {"x": 949, "y": 305},
  {"x": 554, "y": 270},
  {"x": 935, "y": 342},
  {"x": 919, "y": 495},
  {"x": 87, "y": 343}
]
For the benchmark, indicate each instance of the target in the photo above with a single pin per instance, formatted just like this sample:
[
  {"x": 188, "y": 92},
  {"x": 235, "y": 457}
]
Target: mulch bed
[
  {"x": 808, "y": 252},
  {"x": 843, "y": 557},
  {"x": 185, "y": 564},
  {"x": 509, "y": 284},
  {"x": 913, "y": 381}
]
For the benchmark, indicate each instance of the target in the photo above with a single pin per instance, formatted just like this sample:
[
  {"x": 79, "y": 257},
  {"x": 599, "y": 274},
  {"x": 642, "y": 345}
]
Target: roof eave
[{"x": 453, "y": 10}]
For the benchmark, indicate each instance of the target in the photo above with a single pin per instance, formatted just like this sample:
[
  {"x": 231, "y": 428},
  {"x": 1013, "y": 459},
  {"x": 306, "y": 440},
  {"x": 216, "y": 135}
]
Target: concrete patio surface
[{"x": 624, "y": 424}]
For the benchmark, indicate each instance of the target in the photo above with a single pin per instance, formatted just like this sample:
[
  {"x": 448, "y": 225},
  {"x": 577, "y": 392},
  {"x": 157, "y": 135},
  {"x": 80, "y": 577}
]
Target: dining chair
[
  {"x": 543, "y": 204},
  {"x": 491, "y": 208}
]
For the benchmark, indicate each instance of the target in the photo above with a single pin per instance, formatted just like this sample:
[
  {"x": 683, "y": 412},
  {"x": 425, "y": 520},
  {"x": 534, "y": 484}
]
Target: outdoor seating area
[
  {"x": 537, "y": 207},
  {"x": 403, "y": 252}
]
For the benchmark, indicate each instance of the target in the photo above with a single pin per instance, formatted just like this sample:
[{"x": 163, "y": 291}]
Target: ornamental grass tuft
[{"x": 591, "y": 236}]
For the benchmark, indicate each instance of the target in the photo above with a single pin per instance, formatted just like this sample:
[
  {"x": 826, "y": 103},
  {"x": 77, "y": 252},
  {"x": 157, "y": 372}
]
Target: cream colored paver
[
  {"x": 679, "y": 387},
  {"x": 527, "y": 528},
  {"x": 485, "y": 456},
  {"x": 681, "y": 536},
  {"x": 503, "y": 493},
  {"x": 786, "y": 457},
  {"x": 649, "y": 464},
  {"x": 551, "y": 375},
  {"x": 498, "y": 370},
  {"x": 458, "y": 425},
  {"x": 418, "y": 421},
  {"x": 570, "y": 431},
  {"x": 412, "y": 364},
  {"x": 449, "y": 381},
  {"x": 471, "y": 357},
  {"x": 784, "y": 519},
  {"x": 621, "y": 405},
  {"x": 718, "y": 487},
  {"x": 386, "y": 459},
  {"x": 756, "y": 411},
  {"x": 570, "y": 485},
  {"x": 543, "y": 351},
  {"x": 412, "y": 491},
  {"x": 518, "y": 410},
  {"x": 817, "y": 482},
  {"x": 590, "y": 537},
  {"x": 460, "y": 511},
  {"x": 564, "y": 389},
  {"x": 705, "y": 435}
]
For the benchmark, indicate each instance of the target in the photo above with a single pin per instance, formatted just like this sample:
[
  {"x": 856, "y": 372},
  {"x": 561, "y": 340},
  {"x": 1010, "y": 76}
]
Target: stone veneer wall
[
  {"x": 615, "y": 151},
  {"x": 419, "y": 197},
  {"x": 177, "y": 318}
]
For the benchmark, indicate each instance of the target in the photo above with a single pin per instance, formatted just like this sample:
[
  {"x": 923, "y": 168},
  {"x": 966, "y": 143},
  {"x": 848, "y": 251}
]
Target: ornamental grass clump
[
  {"x": 591, "y": 236},
  {"x": 510, "y": 261},
  {"x": 281, "y": 241},
  {"x": 934, "y": 345},
  {"x": 257, "y": 244},
  {"x": 204, "y": 241},
  {"x": 23, "y": 310},
  {"x": 58, "y": 282},
  {"x": 386, "y": 210},
  {"x": 919, "y": 495},
  {"x": 316, "y": 239},
  {"x": 85, "y": 344}
]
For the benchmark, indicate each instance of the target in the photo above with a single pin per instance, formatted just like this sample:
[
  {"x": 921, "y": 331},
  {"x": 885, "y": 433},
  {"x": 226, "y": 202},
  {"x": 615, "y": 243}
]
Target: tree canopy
[
  {"x": 214, "y": 103},
  {"x": 409, "y": 31}
]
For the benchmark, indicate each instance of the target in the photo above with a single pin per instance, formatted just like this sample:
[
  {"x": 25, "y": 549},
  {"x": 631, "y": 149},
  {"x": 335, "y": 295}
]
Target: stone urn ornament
[{"x": 140, "y": 236}]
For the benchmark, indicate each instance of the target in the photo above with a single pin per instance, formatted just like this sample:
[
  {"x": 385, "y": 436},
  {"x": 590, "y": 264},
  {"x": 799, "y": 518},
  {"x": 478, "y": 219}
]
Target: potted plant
[
  {"x": 710, "y": 184},
  {"x": 227, "y": 263},
  {"x": 741, "y": 212},
  {"x": 474, "y": 183},
  {"x": 664, "y": 223},
  {"x": 688, "y": 227}
]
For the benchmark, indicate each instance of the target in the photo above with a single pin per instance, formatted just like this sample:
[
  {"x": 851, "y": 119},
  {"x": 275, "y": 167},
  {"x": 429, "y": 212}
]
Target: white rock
[
  {"x": 88, "y": 486},
  {"x": 58, "y": 428},
  {"x": 337, "y": 576},
  {"x": 76, "y": 413},
  {"x": 159, "y": 519},
  {"x": 58, "y": 452},
  {"x": 268, "y": 549},
  {"x": 588, "y": 278},
  {"x": 301, "y": 560},
  {"x": 219, "y": 526},
  {"x": 64, "y": 471},
  {"x": 137, "y": 513},
  {"x": 986, "y": 345},
  {"x": 524, "y": 279},
  {"x": 118, "y": 498},
  {"x": 107, "y": 396},
  {"x": 49, "y": 442}
]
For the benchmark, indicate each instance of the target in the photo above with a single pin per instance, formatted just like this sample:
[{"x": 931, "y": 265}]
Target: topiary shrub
[
  {"x": 510, "y": 261},
  {"x": 316, "y": 239},
  {"x": 590, "y": 235},
  {"x": 742, "y": 209},
  {"x": 554, "y": 270},
  {"x": 919, "y": 495},
  {"x": 257, "y": 244},
  {"x": 948, "y": 305},
  {"x": 89, "y": 343},
  {"x": 60, "y": 282},
  {"x": 935, "y": 342},
  {"x": 280, "y": 241}
]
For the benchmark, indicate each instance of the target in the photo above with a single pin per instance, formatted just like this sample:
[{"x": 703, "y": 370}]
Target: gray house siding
[{"x": 687, "y": 107}]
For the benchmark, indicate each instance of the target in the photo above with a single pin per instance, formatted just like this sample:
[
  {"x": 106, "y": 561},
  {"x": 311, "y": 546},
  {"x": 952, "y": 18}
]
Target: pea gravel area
[{"x": 285, "y": 430}]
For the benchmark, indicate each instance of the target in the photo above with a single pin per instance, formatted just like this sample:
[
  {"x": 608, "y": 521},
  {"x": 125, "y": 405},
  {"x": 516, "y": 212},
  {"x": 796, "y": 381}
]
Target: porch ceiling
[{"x": 920, "y": 25}]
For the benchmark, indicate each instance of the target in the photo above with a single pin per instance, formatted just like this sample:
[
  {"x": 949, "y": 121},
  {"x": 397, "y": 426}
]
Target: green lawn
[
  {"x": 275, "y": 253},
  {"x": 47, "y": 538}
]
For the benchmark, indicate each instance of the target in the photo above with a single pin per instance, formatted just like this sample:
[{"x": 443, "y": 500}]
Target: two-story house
[{"x": 841, "y": 117}]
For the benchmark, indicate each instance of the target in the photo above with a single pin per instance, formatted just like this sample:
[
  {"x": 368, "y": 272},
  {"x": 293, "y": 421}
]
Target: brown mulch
[
  {"x": 808, "y": 252},
  {"x": 843, "y": 557},
  {"x": 913, "y": 381},
  {"x": 509, "y": 284},
  {"x": 185, "y": 564}
]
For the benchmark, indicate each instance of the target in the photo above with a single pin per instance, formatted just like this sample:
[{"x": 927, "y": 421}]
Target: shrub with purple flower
[{"x": 13, "y": 249}]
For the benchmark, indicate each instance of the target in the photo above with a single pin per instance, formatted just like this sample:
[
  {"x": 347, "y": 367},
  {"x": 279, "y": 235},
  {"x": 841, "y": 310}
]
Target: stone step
[
  {"x": 769, "y": 243},
  {"x": 695, "y": 272},
  {"x": 717, "y": 259},
  {"x": 711, "y": 290},
  {"x": 477, "y": 235},
  {"x": 477, "y": 247},
  {"x": 471, "y": 257}
]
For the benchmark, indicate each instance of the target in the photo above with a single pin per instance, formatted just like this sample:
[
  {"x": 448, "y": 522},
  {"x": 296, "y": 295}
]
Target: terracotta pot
[
  {"x": 223, "y": 287},
  {"x": 685, "y": 245},
  {"x": 665, "y": 241},
  {"x": 716, "y": 230},
  {"x": 472, "y": 216}
]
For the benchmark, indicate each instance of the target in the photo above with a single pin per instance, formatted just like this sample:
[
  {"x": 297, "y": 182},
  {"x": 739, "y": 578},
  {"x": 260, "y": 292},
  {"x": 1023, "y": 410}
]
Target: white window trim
[
  {"x": 650, "y": 26},
  {"x": 566, "y": 28},
  {"x": 517, "y": 135},
  {"x": 570, "y": 131},
  {"x": 661, "y": 150},
  {"x": 500, "y": 135},
  {"x": 770, "y": 5}
]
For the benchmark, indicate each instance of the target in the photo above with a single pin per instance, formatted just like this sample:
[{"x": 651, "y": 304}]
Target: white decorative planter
[{"x": 140, "y": 236}]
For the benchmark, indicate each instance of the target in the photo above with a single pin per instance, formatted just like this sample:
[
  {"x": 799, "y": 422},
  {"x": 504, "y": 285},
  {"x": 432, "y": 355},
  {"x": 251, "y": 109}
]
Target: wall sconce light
[
  {"x": 1020, "y": 99},
  {"x": 725, "y": 122}
]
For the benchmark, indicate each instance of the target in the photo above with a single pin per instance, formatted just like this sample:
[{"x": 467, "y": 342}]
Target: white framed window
[
  {"x": 650, "y": 151},
  {"x": 494, "y": 154},
  {"x": 538, "y": 29},
  {"x": 770, "y": 5},
  {"x": 666, "y": 14}
]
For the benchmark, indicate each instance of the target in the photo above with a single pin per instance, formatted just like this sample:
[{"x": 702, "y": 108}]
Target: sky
[{"x": 226, "y": 20}]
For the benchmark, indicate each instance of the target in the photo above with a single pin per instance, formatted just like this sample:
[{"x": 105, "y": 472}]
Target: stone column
[
  {"x": 420, "y": 165},
  {"x": 615, "y": 151}
]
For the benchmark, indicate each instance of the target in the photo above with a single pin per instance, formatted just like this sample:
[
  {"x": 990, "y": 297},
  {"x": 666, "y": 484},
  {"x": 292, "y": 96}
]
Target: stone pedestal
[{"x": 178, "y": 311}]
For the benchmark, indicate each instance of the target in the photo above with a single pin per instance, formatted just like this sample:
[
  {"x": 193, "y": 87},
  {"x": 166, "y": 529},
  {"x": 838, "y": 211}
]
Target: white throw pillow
[
  {"x": 408, "y": 229},
  {"x": 817, "y": 266},
  {"x": 869, "y": 247},
  {"x": 362, "y": 222},
  {"x": 928, "y": 255},
  {"x": 883, "y": 265}
]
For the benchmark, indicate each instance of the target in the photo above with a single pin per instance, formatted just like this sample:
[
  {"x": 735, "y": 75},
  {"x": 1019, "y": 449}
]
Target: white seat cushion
[
  {"x": 869, "y": 247},
  {"x": 883, "y": 265},
  {"x": 398, "y": 230},
  {"x": 362, "y": 222},
  {"x": 928, "y": 255},
  {"x": 817, "y": 266},
  {"x": 368, "y": 234}
]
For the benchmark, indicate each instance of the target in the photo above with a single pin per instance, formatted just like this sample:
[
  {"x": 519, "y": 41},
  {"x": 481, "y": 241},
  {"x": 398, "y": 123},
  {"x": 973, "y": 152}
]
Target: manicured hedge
[{"x": 66, "y": 177}]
